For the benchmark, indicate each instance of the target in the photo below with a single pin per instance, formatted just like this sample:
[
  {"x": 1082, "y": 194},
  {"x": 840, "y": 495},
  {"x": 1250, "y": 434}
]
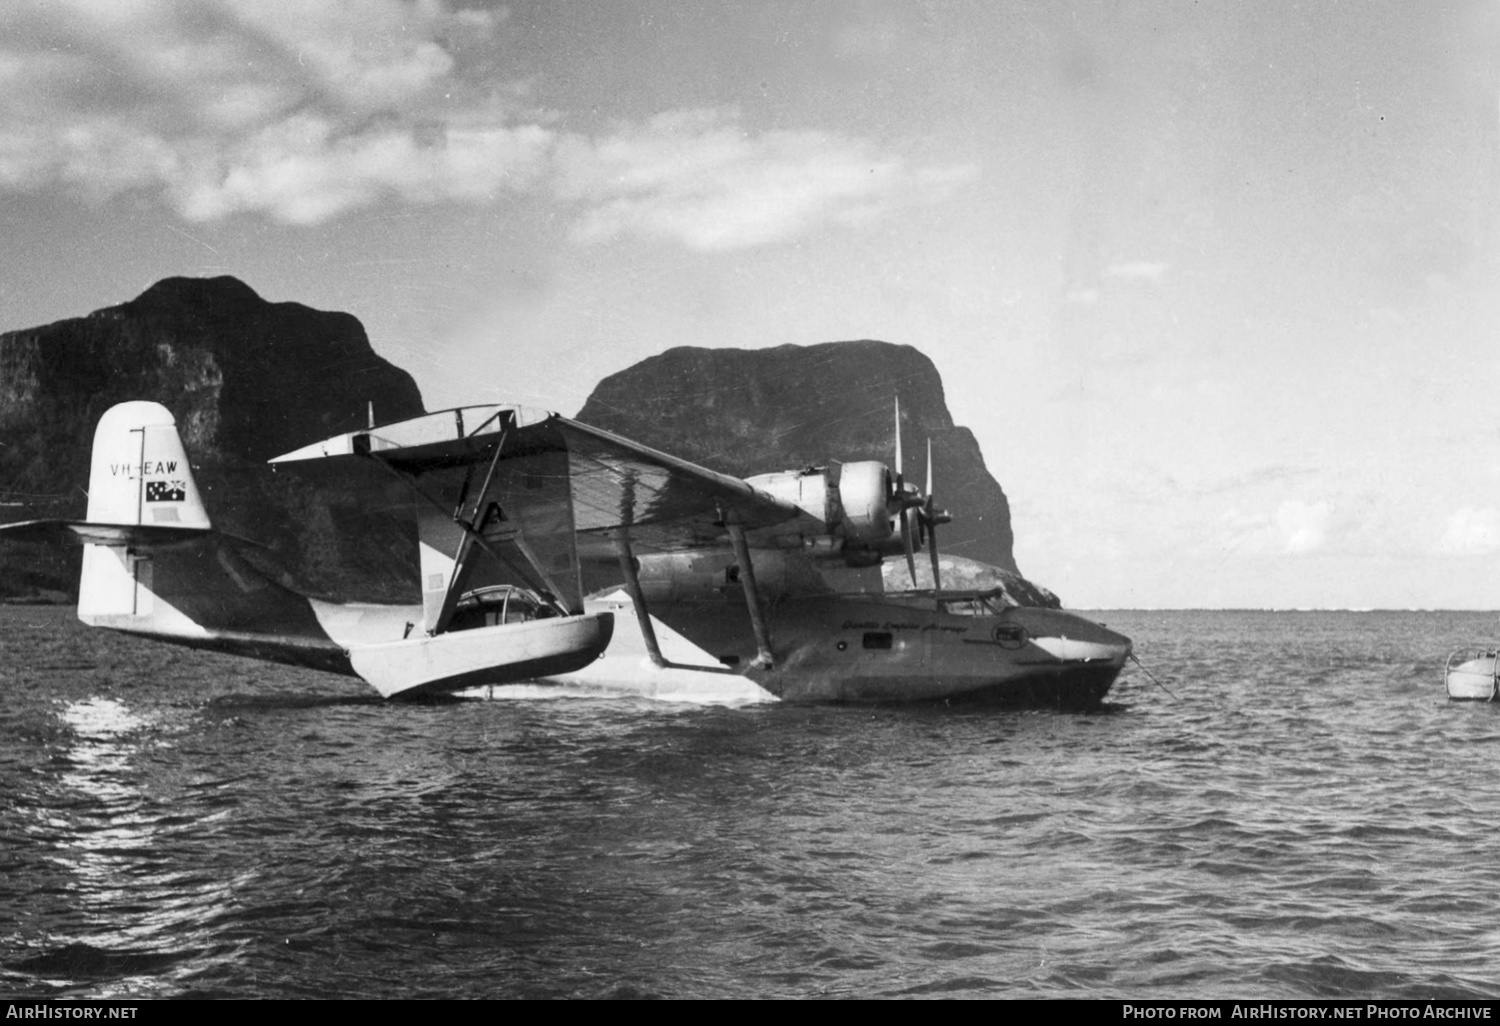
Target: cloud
[
  {"x": 371, "y": 54},
  {"x": 1091, "y": 293},
  {"x": 300, "y": 112},
  {"x": 698, "y": 178},
  {"x": 296, "y": 111},
  {"x": 303, "y": 171},
  {"x": 1471, "y": 532},
  {"x": 1275, "y": 475},
  {"x": 1297, "y": 528},
  {"x": 1303, "y": 526}
]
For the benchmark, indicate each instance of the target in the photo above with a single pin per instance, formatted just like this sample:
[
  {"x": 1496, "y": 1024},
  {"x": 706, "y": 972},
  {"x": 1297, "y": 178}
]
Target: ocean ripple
[{"x": 1306, "y": 818}]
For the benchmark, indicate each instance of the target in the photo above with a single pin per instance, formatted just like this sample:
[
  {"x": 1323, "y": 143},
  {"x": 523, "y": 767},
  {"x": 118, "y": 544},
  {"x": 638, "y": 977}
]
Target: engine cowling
[
  {"x": 864, "y": 493},
  {"x": 858, "y": 503}
]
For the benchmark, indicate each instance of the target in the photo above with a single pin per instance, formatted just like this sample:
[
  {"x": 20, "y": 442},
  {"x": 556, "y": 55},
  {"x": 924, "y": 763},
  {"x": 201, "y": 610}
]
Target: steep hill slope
[
  {"x": 746, "y": 412},
  {"x": 246, "y": 379}
]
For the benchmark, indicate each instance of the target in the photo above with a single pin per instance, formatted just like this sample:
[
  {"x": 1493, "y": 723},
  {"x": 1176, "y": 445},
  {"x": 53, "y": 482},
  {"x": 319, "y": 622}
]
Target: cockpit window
[
  {"x": 993, "y": 604},
  {"x": 495, "y": 605}
]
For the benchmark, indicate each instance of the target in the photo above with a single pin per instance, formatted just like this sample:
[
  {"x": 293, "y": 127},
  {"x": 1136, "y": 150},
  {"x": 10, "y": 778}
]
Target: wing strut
[
  {"x": 628, "y": 567},
  {"x": 471, "y": 532},
  {"x": 474, "y": 532},
  {"x": 763, "y": 657}
]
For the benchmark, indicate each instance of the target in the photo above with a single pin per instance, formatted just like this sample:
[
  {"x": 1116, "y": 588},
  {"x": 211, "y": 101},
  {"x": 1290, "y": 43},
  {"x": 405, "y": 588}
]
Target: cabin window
[
  {"x": 730, "y": 660},
  {"x": 877, "y": 639}
]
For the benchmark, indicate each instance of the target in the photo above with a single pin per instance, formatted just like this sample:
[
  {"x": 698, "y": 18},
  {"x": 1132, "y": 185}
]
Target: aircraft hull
[
  {"x": 1066, "y": 687},
  {"x": 872, "y": 652},
  {"x": 865, "y": 651}
]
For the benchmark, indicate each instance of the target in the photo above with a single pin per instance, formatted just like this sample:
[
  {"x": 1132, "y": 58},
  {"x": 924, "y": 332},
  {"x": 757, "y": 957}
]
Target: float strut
[
  {"x": 638, "y": 599},
  {"x": 763, "y": 658}
]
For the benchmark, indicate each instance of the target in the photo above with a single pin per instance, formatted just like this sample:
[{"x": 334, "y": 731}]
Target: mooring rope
[{"x": 1152, "y": 676}]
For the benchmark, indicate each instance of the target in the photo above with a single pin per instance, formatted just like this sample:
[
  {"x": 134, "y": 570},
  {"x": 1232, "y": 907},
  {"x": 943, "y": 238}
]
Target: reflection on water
[{"x": 137, "y": 921}]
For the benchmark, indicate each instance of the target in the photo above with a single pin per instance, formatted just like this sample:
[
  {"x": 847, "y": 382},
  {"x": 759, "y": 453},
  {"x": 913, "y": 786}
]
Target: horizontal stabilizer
[{"x": 144, "y": 537}]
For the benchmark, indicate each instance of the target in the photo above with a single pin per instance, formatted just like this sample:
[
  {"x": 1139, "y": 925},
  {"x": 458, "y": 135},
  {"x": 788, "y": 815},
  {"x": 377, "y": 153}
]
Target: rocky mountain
[
  {"x": 960, "y": 574},
  {"x": 248, "y": 379},
  {"x": 747, "y": 412}
]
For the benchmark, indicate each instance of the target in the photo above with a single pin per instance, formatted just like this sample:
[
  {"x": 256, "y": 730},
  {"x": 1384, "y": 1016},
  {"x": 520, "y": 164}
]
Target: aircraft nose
[
  {"x": 1111, "y": 637},
  {"x": 1069, "y": 636}
]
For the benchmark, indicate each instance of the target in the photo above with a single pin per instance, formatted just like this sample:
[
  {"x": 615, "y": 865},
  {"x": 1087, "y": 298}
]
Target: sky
[{"x": 1216, "y": 286}]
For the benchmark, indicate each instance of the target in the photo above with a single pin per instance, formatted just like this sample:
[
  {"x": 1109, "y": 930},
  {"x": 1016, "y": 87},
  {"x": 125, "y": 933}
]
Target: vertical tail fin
[
  {"x": 153, "y": 565},
  {"x": 140, "y": 473},
  {"x": 139, "y": 476}
]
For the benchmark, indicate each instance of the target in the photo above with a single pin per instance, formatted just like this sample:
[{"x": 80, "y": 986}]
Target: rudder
[
  {"x": 139, "y": 476},
  {"x": 140, "y": 472}
]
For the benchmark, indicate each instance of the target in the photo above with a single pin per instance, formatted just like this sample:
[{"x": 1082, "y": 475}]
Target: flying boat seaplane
[{"x": 552, "y": 551}]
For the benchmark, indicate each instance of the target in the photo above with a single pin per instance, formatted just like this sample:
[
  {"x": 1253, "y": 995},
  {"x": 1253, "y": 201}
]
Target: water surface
[{"x": 1307, "y": 817}]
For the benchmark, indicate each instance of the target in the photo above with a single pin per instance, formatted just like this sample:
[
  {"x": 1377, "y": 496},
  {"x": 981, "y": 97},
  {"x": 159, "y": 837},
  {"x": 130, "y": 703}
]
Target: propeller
[
  {"x": 898, "y": 495},
  {"x": 928, "y": 518}
]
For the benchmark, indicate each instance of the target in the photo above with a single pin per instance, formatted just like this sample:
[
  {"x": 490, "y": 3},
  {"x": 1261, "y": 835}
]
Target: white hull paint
[
  {"x": 481, "y": 656},
  {"x": 693, "y": 676}
]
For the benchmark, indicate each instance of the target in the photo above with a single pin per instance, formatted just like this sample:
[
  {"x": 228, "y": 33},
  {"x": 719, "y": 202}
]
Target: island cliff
[
  {"x": 746, "y": 412},
  {"x": 248, "y": 379}
]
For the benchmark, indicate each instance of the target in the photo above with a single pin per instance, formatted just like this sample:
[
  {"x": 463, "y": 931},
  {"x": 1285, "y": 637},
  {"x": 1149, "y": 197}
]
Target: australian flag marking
[{"x": 166, "y": 491}]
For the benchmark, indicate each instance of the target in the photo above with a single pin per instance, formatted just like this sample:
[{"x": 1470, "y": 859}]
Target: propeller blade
[
  {"x": 925, "y": 507},
  {"x": 932, "y": 552},
  {"x": 928, "y": 490},
  {"x": 929, "y": 516},
  {"x": 898, "y": 438},
  {"x": 911, "y": 558}
]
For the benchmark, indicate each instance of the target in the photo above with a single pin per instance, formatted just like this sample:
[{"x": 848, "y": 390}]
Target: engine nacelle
[
  {"x": 808, "y": 489},
  {"x": 857, "y": 507},
  {"x": 864, "y": 494}
]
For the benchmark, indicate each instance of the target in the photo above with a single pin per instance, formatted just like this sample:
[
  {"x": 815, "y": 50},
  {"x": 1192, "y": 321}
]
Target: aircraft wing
[
  {"x": 615, "y": 485},
  {"x": 666, "y": 503}
]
